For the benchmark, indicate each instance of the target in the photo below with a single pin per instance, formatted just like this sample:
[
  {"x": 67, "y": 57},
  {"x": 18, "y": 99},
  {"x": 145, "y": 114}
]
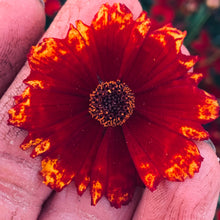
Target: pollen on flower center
[{"x": 112, "y": 103}]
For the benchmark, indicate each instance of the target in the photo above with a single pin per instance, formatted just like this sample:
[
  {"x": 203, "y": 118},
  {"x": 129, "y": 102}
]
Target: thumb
[{"x": 194, "y": 198}]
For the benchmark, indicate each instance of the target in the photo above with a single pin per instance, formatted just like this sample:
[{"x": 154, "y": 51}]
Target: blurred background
[{"x": 201, "y": 20}]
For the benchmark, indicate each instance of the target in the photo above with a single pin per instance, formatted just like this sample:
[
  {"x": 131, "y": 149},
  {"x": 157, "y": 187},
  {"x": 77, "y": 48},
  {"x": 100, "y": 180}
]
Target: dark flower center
[{"x": 111, "y": 103}]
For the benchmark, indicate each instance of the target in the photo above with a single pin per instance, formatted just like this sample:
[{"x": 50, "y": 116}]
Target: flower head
[
  {"x": 161, "y": 15},
  {"x": 52, "y": 7},
  {"x": 111, "y": 104}
]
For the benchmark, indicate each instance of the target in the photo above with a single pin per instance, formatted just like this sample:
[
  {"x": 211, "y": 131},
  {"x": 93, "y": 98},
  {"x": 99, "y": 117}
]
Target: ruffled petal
[
  {"x": 112, "y": 26},
  {"x": 51, "y": 107},
  {"x": 99, "y": 172},
  {"x": 111, "y": 161},
  {"x": 55, "y": 174},
  {"x": 190, "y": 129},
  {"x": 120, "y": 188},
  {"x": 174, "y": 157},
  {"x": 146, "y": 169},
  {"x": 65, "y": 158},
  {"x": 83, "y": 176},
  {"x": 195, "y": 78},
  {"x": 137, "y": 36},
  {"x": 178, "y": 100},
  {"x": 159, "y": 60},
  {"x": 88, "y": 35},
  {"x": 166, "y": 71},
  {"x": 66, "y": 129},
  {"x": 66, "y": 60},
  {"x": 48, "y": 83},
  {"x": 180, "y": 107}
]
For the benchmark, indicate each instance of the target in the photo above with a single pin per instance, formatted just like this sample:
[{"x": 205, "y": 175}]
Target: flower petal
[
  {"x": 195, "y": 77},
  {"x": 137, "y": 36},
  {"x": 147, "y": 103},
  {"x": 57, "y": 59},
  {"x": 159, "y": 60},
  {"x": 50, "y": 107},
  {"x": 55, "y": 174},
  {"x": 83, "y": 176},
  {"x": 49, "y": 133},
  {"x": 99, "y": 173},
  {"x": 120, "y": 188},
  {"x": 111, "y": 161},
  {"x": 112, "y": 27},
  {"x": 64, "y": 159},
  {"x": 179, "y": 100},
  {"x": 48, "y": 83},
  {"x": 88, "y": 36},
  {"x": 174, "y": 156},
  {"x": 190, "y": 129},
  {"x": 147, "y": 170}
]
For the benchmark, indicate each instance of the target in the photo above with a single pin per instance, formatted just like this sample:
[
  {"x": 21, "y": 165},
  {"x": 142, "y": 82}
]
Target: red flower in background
[
  {"x": 209, "y": 54},
  {"x": 52, "y": 7},
  {"x": 218, "y": 214},
  {"x": 170, "y": 3},
  {"x": 113, "y": 103},
  {"x": 179, "y": 4},
  {"x": 161, "y": 15}
]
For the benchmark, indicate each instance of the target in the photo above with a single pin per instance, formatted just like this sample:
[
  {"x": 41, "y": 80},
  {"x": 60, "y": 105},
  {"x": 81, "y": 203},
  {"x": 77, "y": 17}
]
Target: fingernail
[
  {"x": 211, "y": 144},
  {"x": 42, "y": 2}
]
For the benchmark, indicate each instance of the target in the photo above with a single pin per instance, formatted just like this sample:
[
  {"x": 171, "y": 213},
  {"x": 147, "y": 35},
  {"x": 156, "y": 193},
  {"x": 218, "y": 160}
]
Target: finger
[
  {"x": 194, "y": 198},
  {"x": 25, "y": 174},
  {"x": 67, "y": 204},
  {"x": 21, "y": 190},
  {"x": 22, "y": 23}
]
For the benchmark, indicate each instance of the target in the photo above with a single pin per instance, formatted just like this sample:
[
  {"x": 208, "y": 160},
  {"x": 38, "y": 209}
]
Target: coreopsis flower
[
  {"x": 113, "y": 105},
  {"x": 52, "y": 7}
]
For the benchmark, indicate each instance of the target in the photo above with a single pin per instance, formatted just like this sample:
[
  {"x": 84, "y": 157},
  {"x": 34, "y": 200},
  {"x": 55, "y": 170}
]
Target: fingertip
[
  {"x": 22, "y": 24},
  {"x": 68, "y": 204}
]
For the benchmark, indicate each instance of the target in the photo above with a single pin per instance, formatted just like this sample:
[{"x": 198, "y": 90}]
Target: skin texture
[
  {"x": 18, "y": 33},
  {"x": 22, "y": 194}
]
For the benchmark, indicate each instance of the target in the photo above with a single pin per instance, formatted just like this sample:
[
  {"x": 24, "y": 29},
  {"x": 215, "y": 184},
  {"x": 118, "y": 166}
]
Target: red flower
[
  {"x": 218, "y": 214},
  {"x": 183, "y": 5},
  {"x": 175, "y": 4},
  {"x": 210, "y": 55},
  {"x": 111, "y": 103},
  {"x": 52, "y": 7},
  {"x": 161, "y": 15},
  {"x": 209, "y": 85}
]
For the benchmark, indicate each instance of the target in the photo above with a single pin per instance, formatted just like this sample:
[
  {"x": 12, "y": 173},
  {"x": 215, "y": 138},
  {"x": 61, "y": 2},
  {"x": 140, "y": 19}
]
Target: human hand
[{"x": 22, "y": 193}]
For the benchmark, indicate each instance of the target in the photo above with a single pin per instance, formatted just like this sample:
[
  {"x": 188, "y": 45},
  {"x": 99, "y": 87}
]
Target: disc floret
[{"x": 112, "y": 103}]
